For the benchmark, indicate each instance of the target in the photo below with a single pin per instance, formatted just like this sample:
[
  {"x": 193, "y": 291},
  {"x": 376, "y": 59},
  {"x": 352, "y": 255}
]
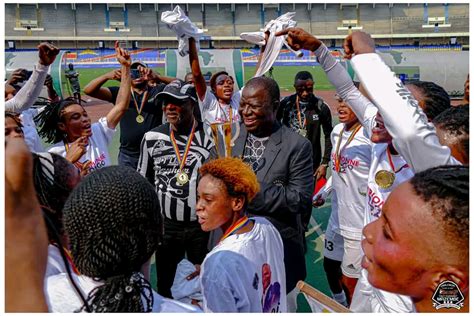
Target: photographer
[{"x": 144, "y": 111}]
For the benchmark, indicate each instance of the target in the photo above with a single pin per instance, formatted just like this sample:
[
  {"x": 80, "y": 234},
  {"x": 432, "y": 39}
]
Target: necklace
[
  {"x": 385, "y": 178},
  {"x": 301, "y": 124},
  {"x": 242, "y": 222},
  {"x": 355, "y": 129},
  {"x": 181, "y": 176},
  {"x": 140, "y": 119}
]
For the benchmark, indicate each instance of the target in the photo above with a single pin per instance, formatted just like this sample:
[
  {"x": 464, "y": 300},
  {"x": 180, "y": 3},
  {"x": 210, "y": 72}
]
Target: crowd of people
[{"x": 81, "y": 234}]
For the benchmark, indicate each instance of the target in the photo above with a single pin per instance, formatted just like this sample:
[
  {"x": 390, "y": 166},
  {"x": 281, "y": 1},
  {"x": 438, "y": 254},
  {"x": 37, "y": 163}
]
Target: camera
[
  {"x": 135, "y": 73},
  {"x": 26, "y": 74}
]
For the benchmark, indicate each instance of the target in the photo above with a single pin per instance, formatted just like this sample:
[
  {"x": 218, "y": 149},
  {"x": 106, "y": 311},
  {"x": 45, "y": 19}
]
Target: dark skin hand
[
  {"x": 26, "y": 241},
  {"x": 300, "y": 39},
  {"x": 47, "y": 53},
  {"x": 17, "y": 76},
  {"x": 358, "y": 43}
]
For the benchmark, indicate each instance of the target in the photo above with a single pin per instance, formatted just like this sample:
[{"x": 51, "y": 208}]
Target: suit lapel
[{"x": 238, "y": 149}]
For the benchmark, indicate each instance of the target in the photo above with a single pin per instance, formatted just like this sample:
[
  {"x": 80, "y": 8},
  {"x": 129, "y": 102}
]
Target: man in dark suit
[{"x": 282, "y": 160}]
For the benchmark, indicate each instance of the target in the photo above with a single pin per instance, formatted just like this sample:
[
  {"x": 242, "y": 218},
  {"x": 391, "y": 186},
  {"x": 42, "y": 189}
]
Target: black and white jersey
[{"x": 159, "y": 164}]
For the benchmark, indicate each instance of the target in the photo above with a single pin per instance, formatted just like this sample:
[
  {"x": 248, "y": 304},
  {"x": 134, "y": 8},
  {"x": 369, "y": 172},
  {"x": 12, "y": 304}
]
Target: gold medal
[
  {"x": 302, "y": 132},
  {"x": 140, "y": 119},
  {"x": 384, "y": 178},
  {"x": 182, "y": 178}
]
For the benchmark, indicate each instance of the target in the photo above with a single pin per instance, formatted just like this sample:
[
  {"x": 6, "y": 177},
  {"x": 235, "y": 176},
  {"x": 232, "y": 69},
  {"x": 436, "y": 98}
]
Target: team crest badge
[{"x": 447, "y": 295}]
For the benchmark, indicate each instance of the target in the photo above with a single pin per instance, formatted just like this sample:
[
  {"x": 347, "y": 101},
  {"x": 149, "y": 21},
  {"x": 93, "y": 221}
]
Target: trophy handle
[
  {"x": 236, "y": 134},
  {"x": 215, "y": 133}
]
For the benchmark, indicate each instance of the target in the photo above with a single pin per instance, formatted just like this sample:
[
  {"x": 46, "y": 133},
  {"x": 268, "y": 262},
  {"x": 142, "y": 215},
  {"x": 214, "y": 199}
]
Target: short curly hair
[
  {"x": 237, "y": 176},
  {"x": 446, "y": 190}
]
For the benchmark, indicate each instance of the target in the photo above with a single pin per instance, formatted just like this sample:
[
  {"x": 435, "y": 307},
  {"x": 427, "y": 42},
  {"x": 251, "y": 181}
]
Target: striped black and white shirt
[{"x": 159, "y": 164}]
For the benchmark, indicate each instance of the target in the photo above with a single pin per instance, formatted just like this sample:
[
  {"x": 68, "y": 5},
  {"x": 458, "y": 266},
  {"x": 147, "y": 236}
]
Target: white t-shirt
[
  {"x": 61, "y": 296},
  {"x": 376, "y": 196},
  {"x": 349, "y": 186},
  {"x": 231, "y": 274},
  {"x": 55, "y": 263},
  {"x": 32, "y": 138},
  {"x": 214, "y": 112},
  {"x": 413, "y": 137},
  {"x": 97, "y": 150}
]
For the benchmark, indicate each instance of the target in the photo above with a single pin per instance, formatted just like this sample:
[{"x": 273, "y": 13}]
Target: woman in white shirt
[
  {"x": 68, "y": 125},
  {"x": 245, "y": 272},
  {"x": 113, "y": 231}
]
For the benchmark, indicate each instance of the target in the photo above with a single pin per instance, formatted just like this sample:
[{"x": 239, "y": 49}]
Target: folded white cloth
[
  {"x": 186, "y": 290},
  {"x": 274, "y": 43},
  {"x": 257, "y": 38},
  {"x": 177, "y": 21}
]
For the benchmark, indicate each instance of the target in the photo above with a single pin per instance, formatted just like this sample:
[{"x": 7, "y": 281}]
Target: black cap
[
  {"x": 178, "y": 90},
  {"x": 135, "y": 65}
]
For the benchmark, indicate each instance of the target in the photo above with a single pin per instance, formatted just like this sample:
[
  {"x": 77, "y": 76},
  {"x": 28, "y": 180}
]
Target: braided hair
[
  {"x": 114, "y": 224},
  {"x": 446, "y": 190},
  {"x": 53, "y": 179},
  {"x": 455, "y": 122},
  {"x": 49, "y": 118},
  {"x": 436, "y": 99}
]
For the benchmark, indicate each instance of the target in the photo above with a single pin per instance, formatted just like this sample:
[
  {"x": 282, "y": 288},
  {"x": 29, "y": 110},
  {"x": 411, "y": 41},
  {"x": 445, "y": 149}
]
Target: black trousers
[{"x": 180, "y": 239}]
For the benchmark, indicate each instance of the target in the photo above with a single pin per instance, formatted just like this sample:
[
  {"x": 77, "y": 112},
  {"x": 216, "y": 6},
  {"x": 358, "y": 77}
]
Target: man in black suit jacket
[{"x": 282, "y": 160}]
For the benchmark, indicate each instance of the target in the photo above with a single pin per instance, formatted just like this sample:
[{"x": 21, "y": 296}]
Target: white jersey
[
  {"x": 32, "y": 138},
  {"x": 55, "y": 263},
  {"x": 412, "y": 136},
  {"x": 245, "y": 272},
  {"x": 349, "y": 185},
  {"x": 376, "y": 196},
  {"x": 97, "y": 149},
  {"x": 214, "y": 112},
  {"x": 61, "y": 296}
]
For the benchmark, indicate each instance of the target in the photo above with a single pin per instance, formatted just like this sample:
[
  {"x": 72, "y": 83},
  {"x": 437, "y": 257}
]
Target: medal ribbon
[
  {"x": 354, "y": 129},
  {"x": 230, "y": 118},
  {"x": 232, "y": 229},
  {"x": 144, "y": 100},
  {"x": 79, "y": 165},
  {"x": 389, "y": 155},
  {"x": 298, "y": 112},
  {"x": 71, "y": 263},
  {"x": 68, "y": 255},
  {"x": 186, "y": 150}
]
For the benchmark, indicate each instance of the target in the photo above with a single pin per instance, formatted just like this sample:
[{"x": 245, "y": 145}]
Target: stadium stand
[{"x": 82, "y": 25}]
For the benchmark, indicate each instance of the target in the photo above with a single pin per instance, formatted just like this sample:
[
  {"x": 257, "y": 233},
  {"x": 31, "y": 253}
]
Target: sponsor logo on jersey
[{"x": 375, "y": 203}]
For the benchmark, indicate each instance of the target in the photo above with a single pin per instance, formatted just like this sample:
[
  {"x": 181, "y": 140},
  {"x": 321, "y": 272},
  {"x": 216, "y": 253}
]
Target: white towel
[
  {"x": 274, "y": 43},
  {"x": 183, "y": 27},
  {"x": 186, "y": 290}
]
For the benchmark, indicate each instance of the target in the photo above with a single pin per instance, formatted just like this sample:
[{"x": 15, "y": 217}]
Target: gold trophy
[{"x": 224, "y": 135}]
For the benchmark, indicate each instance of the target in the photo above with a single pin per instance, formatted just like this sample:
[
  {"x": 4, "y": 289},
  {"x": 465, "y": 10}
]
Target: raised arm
[
  {"x": 413, "y": 137},
  {"x": 26, "y": 240},
  {"x": 336, "y": 73},
  {"x": 28, "y": 94},
  {"x": 95, "y": 89},
  {"x": 199, "y": 81},
  {"x": 149, "y": 74},
  {"x": 123, "y": 97}
]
